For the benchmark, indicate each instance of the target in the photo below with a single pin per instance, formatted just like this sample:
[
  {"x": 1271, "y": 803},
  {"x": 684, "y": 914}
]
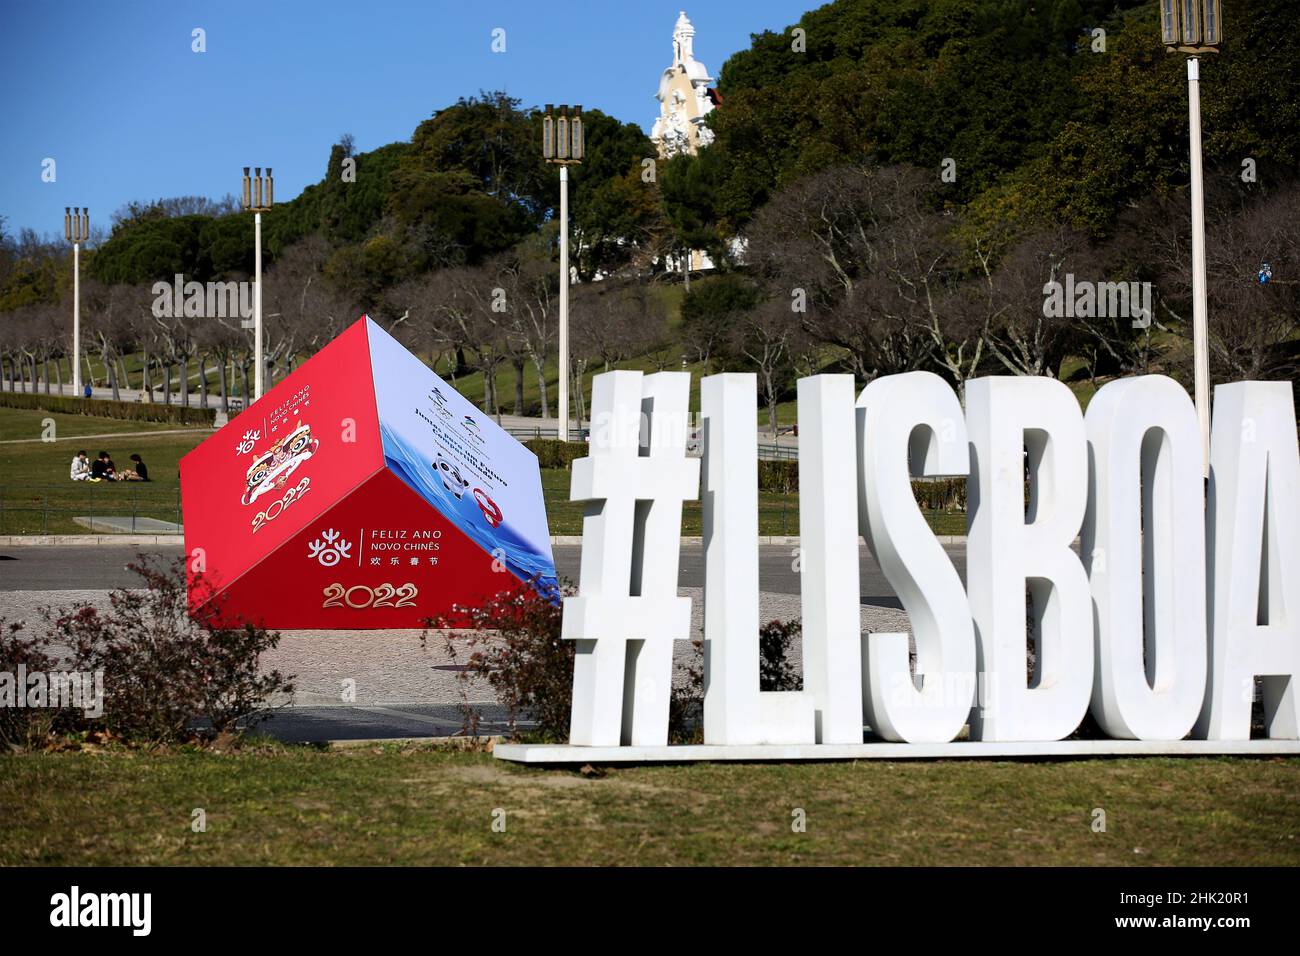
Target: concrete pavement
[{"x": 320, "y": 724}]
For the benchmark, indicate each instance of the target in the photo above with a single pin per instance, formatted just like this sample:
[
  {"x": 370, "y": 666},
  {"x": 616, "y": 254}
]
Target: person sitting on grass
[
  {"x": 103, "y": 468},
  {"x": 81, "y": 468},
  {"x": 138, "y": 471}
]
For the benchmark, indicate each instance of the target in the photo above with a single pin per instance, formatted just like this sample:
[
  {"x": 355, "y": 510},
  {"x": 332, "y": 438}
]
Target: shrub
[
  {"x": 553, "y": 453},
  {"x": 24, "y": 727},
  {"x": 775, "y": 672},
  {"x": 164, "y": 669},
  {"x": 514, "y": 645},
  {"x": 686, "y": 703},
  {"x": 106, "y": 408},
  {"x": 778, "y": 477},
  {"x": 940, "y": 494},
  {"x": 932, "y": 494}
]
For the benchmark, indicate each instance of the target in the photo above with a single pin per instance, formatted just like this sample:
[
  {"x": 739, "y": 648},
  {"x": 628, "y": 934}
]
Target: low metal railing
[
  {"x": 53, "y": 509},
  {"x": 767, "y": 451},
  {"x": 775, "y": 452}
]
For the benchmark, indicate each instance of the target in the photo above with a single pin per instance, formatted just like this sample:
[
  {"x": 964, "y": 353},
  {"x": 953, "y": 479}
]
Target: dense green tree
[
  {"x": 31, "y": 271},
  {"x": 1128, "y": 139},
  {"x": 614, "y": 207},
  {"x": 453, "y": 212},
  {"x": 693, "y": 190},
  {"x": 351, "y": 201},
  {"x": 149, "y": 248},
  {"x": 621, "y": 219},
  {"x": 1043, "y": 120}
]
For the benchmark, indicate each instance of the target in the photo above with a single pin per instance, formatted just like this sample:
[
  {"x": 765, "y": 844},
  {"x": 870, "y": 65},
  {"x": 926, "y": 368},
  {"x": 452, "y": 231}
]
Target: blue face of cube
[{"x": 475, "y": 474}]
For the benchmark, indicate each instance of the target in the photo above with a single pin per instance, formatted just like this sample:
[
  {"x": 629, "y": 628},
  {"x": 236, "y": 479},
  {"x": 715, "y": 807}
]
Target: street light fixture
[
  {"x": 1196, "y": 27},
  {"x": 562, "y": 145},
  {"x": 1192, "y": 26},
  {"x": 76, "y": 229},
  {"x": 258, "y": 196}
]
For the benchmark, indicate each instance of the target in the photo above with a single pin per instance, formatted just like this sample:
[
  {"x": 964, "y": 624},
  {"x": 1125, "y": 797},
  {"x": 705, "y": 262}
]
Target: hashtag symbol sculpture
[{"x": 627, "y": 614}]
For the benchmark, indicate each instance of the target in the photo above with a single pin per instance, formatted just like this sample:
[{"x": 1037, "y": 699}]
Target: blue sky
[{"x": 112, "y": 91}]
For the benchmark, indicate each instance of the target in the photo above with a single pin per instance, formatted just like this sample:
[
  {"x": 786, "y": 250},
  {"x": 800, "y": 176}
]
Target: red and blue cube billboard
[{"x": 361, "y": 492}]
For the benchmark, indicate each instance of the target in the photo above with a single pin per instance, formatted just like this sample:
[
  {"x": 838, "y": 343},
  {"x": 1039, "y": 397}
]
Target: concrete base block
[{"x": 564, "y": 754}]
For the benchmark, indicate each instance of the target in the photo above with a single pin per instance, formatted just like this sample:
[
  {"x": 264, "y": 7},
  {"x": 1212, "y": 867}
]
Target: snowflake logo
[
  {"x": 330, "y": 548},
  {"x": 246, "y": 443}
]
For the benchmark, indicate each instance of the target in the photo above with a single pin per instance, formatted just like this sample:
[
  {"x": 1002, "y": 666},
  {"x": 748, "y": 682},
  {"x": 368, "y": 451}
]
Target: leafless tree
[
  {"x": 1252, "y": 324},
  {"x": 301, "y": 311},
  {"x": 615, "y": 321},
  {"x": 1025, "y": 340},
  {"x": 609, "y": 322},
  {"x": 108, "y": 310},
  {"x": 451, "y": 310},
  {"x": 864, "y": 251},
  {"x": 26, "y": 322},
  {"x": 173, "y": 337},
  {"x": 170, "y": 207},
  {"x": 530, "y": 285},
  {"x": 220, "y": 344},
  {"x": 766, "y": 336},
  {"x": 51, "y": 334}
]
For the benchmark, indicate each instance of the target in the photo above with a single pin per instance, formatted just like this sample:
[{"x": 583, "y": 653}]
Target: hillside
[{"x": 905, "y": 178}]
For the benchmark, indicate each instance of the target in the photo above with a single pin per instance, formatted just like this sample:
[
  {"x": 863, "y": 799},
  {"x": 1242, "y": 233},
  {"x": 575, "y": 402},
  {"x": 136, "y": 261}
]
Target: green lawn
[
  {"x": 36, "y": 496},
  {"x": 777, "y": 514},
  {"x": 415, "y": 805}
]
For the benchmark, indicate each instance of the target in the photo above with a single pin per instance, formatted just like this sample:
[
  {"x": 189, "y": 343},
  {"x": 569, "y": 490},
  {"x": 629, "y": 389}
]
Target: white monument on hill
[{"x": 685, "y": 98}]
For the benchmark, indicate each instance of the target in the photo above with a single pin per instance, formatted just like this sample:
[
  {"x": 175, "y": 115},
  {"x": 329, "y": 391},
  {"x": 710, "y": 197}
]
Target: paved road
[
  {"x": 404, "y": 689},
  {"x": 102, "y": 567}
]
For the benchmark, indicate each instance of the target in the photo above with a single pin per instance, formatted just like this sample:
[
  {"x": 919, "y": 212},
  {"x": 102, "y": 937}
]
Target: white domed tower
[{"x": 685, "y": 97}]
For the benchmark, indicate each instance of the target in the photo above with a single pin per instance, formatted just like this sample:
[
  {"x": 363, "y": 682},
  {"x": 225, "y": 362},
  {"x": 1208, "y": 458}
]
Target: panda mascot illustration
[{"x": 450, "y": 475}]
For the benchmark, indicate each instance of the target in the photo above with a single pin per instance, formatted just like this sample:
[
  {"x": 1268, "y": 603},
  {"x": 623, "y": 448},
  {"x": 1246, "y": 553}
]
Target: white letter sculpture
[
  {"x": 1145, "y": 555},
  {"x": 1178, "y": 609},
  {"x": 1253, "y": 540},
  {"x": 918, "y": 414},
  {"x": 828, "y": 558},
  {"x": 735, "y": 710},
  {"x": 627, "y": 613},
  {"x": 1010, "y": 547}
]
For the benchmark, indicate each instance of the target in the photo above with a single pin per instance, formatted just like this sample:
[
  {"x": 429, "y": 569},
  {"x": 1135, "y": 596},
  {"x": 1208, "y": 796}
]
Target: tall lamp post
[
  {"x": 76, "y": 229},
  {"x": 256, "y": 189},
  {"x": 562, "y": 145},
  {"x": 1195, "y": 27}
]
